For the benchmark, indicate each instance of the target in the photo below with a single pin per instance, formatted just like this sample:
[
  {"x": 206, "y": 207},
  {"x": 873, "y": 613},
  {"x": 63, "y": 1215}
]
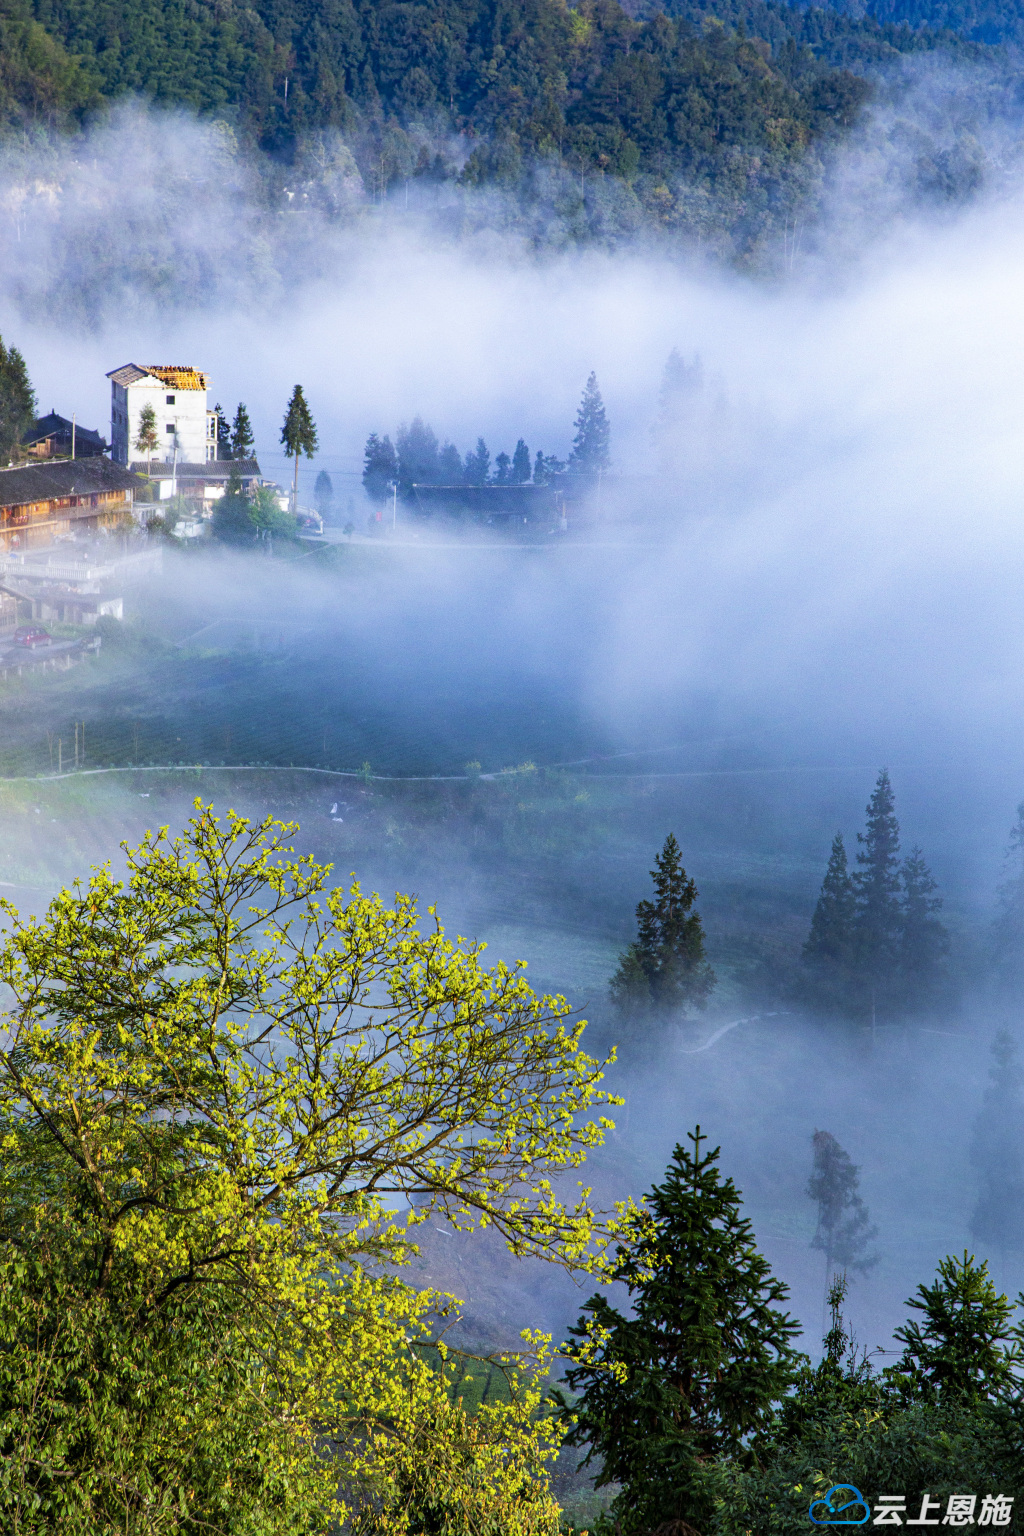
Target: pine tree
[
  {"x": 380, "y": 467},
  {"x": 589, "y": 454},
  {"x": 417, "y": 449},
  {"x": 546, "y": 468},
  {"x": 222, "y": 427},
  {"x": 997, "y": 1154},
  {"x": 924, "y": 942},
  {"x": 665, "y": 969},
  {"x": 696, "y": 1369},
  {"x": 146, "y": 439},
  {"x": 323, "y": 495},
  {"x": 477, "y": 467},
  {"x": 844, "y": 1230},
  {"x": 958, "y": 1351},
  {"x": 1008, "y": 926},
  {"x": 449, "y": 465},
  {"x": 520, "y": 464},
  {"x": 878, "y": 926},
  {"x": 17, "y": 401},
  {"x": 502, "y": 470},
  {"x": 298, "y": 435},
  {"x": 242, "y": 440},
  {"x": 828, "y": 952}
]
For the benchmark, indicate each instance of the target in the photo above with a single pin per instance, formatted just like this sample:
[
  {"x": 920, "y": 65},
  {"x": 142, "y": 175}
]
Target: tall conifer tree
[
  {"x": 477, "y": 467},
  {"x": 878, "y": 924},
  {"x": 520, "y": 464},
  {"x": 242, "y": 439},
  {"x": 223, "y": 430},
  {"x": 380, "y": 467},
  {"x": 924, "y": 942},
  {"x": 590, "y": 455},
  {"x": 17, "y": 400},
  {"x": 828, "y": 953},
  {"x": 694, "y": 1372},
  {"x": 298, "y": 435},
  {"x": 418, "y": 455},
  {"x": 958, "y": 1351},
  {"x": 449, "y": 465},
  {"x": 665, "y": 969}
]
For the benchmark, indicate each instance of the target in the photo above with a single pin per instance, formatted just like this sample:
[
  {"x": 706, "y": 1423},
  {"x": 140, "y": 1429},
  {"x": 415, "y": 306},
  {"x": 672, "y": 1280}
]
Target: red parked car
[{"x": 31, "y": 635}]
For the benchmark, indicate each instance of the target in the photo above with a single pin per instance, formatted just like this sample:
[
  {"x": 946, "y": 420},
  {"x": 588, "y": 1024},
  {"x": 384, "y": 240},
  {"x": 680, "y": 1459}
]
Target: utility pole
[
  {"x": 74, "y": 418},
  {"x": 394, "y": 505}
]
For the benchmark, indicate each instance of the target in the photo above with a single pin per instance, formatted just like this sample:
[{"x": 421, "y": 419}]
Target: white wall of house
[{"x": 182, "y": 420}]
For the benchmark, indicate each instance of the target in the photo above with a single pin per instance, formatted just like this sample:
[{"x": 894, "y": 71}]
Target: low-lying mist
[{"x": 820, "y": 573}]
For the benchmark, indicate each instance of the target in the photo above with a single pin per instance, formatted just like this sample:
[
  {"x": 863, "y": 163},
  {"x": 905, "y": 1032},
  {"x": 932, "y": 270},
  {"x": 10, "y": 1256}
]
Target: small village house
[
  {"x": 202, "y": 483},
  {"x": 43, "y": 501},
  {"x": 186, "y": 428},
  {"x": 55, "y": 437}
]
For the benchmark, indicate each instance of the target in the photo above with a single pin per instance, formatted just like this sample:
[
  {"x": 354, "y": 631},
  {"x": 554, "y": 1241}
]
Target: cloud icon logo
[{"x": 842, "y": 1505}]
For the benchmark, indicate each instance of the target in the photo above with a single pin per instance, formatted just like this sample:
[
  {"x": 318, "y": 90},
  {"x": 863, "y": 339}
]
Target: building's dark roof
[
  {"x": 60, "y": 428},
  {"x": 214, "y": 469},
  {"x": 51, "y": 479}
]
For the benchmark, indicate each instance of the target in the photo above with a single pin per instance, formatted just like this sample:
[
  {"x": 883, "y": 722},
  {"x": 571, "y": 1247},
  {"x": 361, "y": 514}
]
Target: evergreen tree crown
[
  {"x": 665, "y": 967},
  {"x": 380, "y": 467},
  {"x": 590, "y": 445},
  {"x": 298, "y": 434},
  {"x": 697, "y": 1368},
  {"x": 242, "y": 438},
  {"x": 478, "y": 464},
  {"x": 959, "y": 1349},
  {"x": 17, "y": 400},
  {"x": 417, "y": 449}
]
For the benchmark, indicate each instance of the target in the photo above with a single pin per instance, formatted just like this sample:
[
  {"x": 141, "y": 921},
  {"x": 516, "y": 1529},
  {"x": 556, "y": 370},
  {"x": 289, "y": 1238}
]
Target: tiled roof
[
  {"x": 128, "y": 373},
  {"x": 59, "y": 426},
  {"x": 213, "y": 469},
  {"x": 66, "y": 477}
]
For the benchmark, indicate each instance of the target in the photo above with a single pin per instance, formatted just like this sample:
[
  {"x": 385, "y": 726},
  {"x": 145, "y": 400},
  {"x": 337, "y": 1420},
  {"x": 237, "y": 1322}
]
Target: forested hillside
[
  {"x": 39, "y": 82},
  {"x": 668, "y": 93},
  {"x": 705, "y": 118}
]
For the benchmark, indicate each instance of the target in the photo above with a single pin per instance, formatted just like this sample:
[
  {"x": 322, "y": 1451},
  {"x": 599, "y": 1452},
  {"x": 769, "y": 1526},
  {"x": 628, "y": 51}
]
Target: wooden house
[{"x": 40, "y": 501}]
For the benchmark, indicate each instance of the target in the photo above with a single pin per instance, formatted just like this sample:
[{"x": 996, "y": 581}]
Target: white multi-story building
[{"x": 186, "y": 429}]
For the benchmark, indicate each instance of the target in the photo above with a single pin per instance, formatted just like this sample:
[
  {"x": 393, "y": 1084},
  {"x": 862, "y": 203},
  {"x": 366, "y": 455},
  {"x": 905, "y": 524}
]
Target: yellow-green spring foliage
[{"x": 229, "y": 1094}]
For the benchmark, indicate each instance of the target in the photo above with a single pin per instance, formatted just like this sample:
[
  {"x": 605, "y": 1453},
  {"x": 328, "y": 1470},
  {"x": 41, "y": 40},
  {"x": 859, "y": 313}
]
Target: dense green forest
[{"x": 730, "y": 96}]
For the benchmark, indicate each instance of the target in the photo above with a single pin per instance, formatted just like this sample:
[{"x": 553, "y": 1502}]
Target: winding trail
[{"x": 777, "y": 1013}]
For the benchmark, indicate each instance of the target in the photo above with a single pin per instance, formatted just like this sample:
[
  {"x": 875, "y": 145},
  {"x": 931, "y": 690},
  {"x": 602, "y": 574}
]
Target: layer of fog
[{"x": 831, "y": 571}]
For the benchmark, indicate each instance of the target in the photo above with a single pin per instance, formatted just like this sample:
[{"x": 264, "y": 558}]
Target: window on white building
[
  {"x": 170, "y": 399},
  {"x": 169, "y": 427}
]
